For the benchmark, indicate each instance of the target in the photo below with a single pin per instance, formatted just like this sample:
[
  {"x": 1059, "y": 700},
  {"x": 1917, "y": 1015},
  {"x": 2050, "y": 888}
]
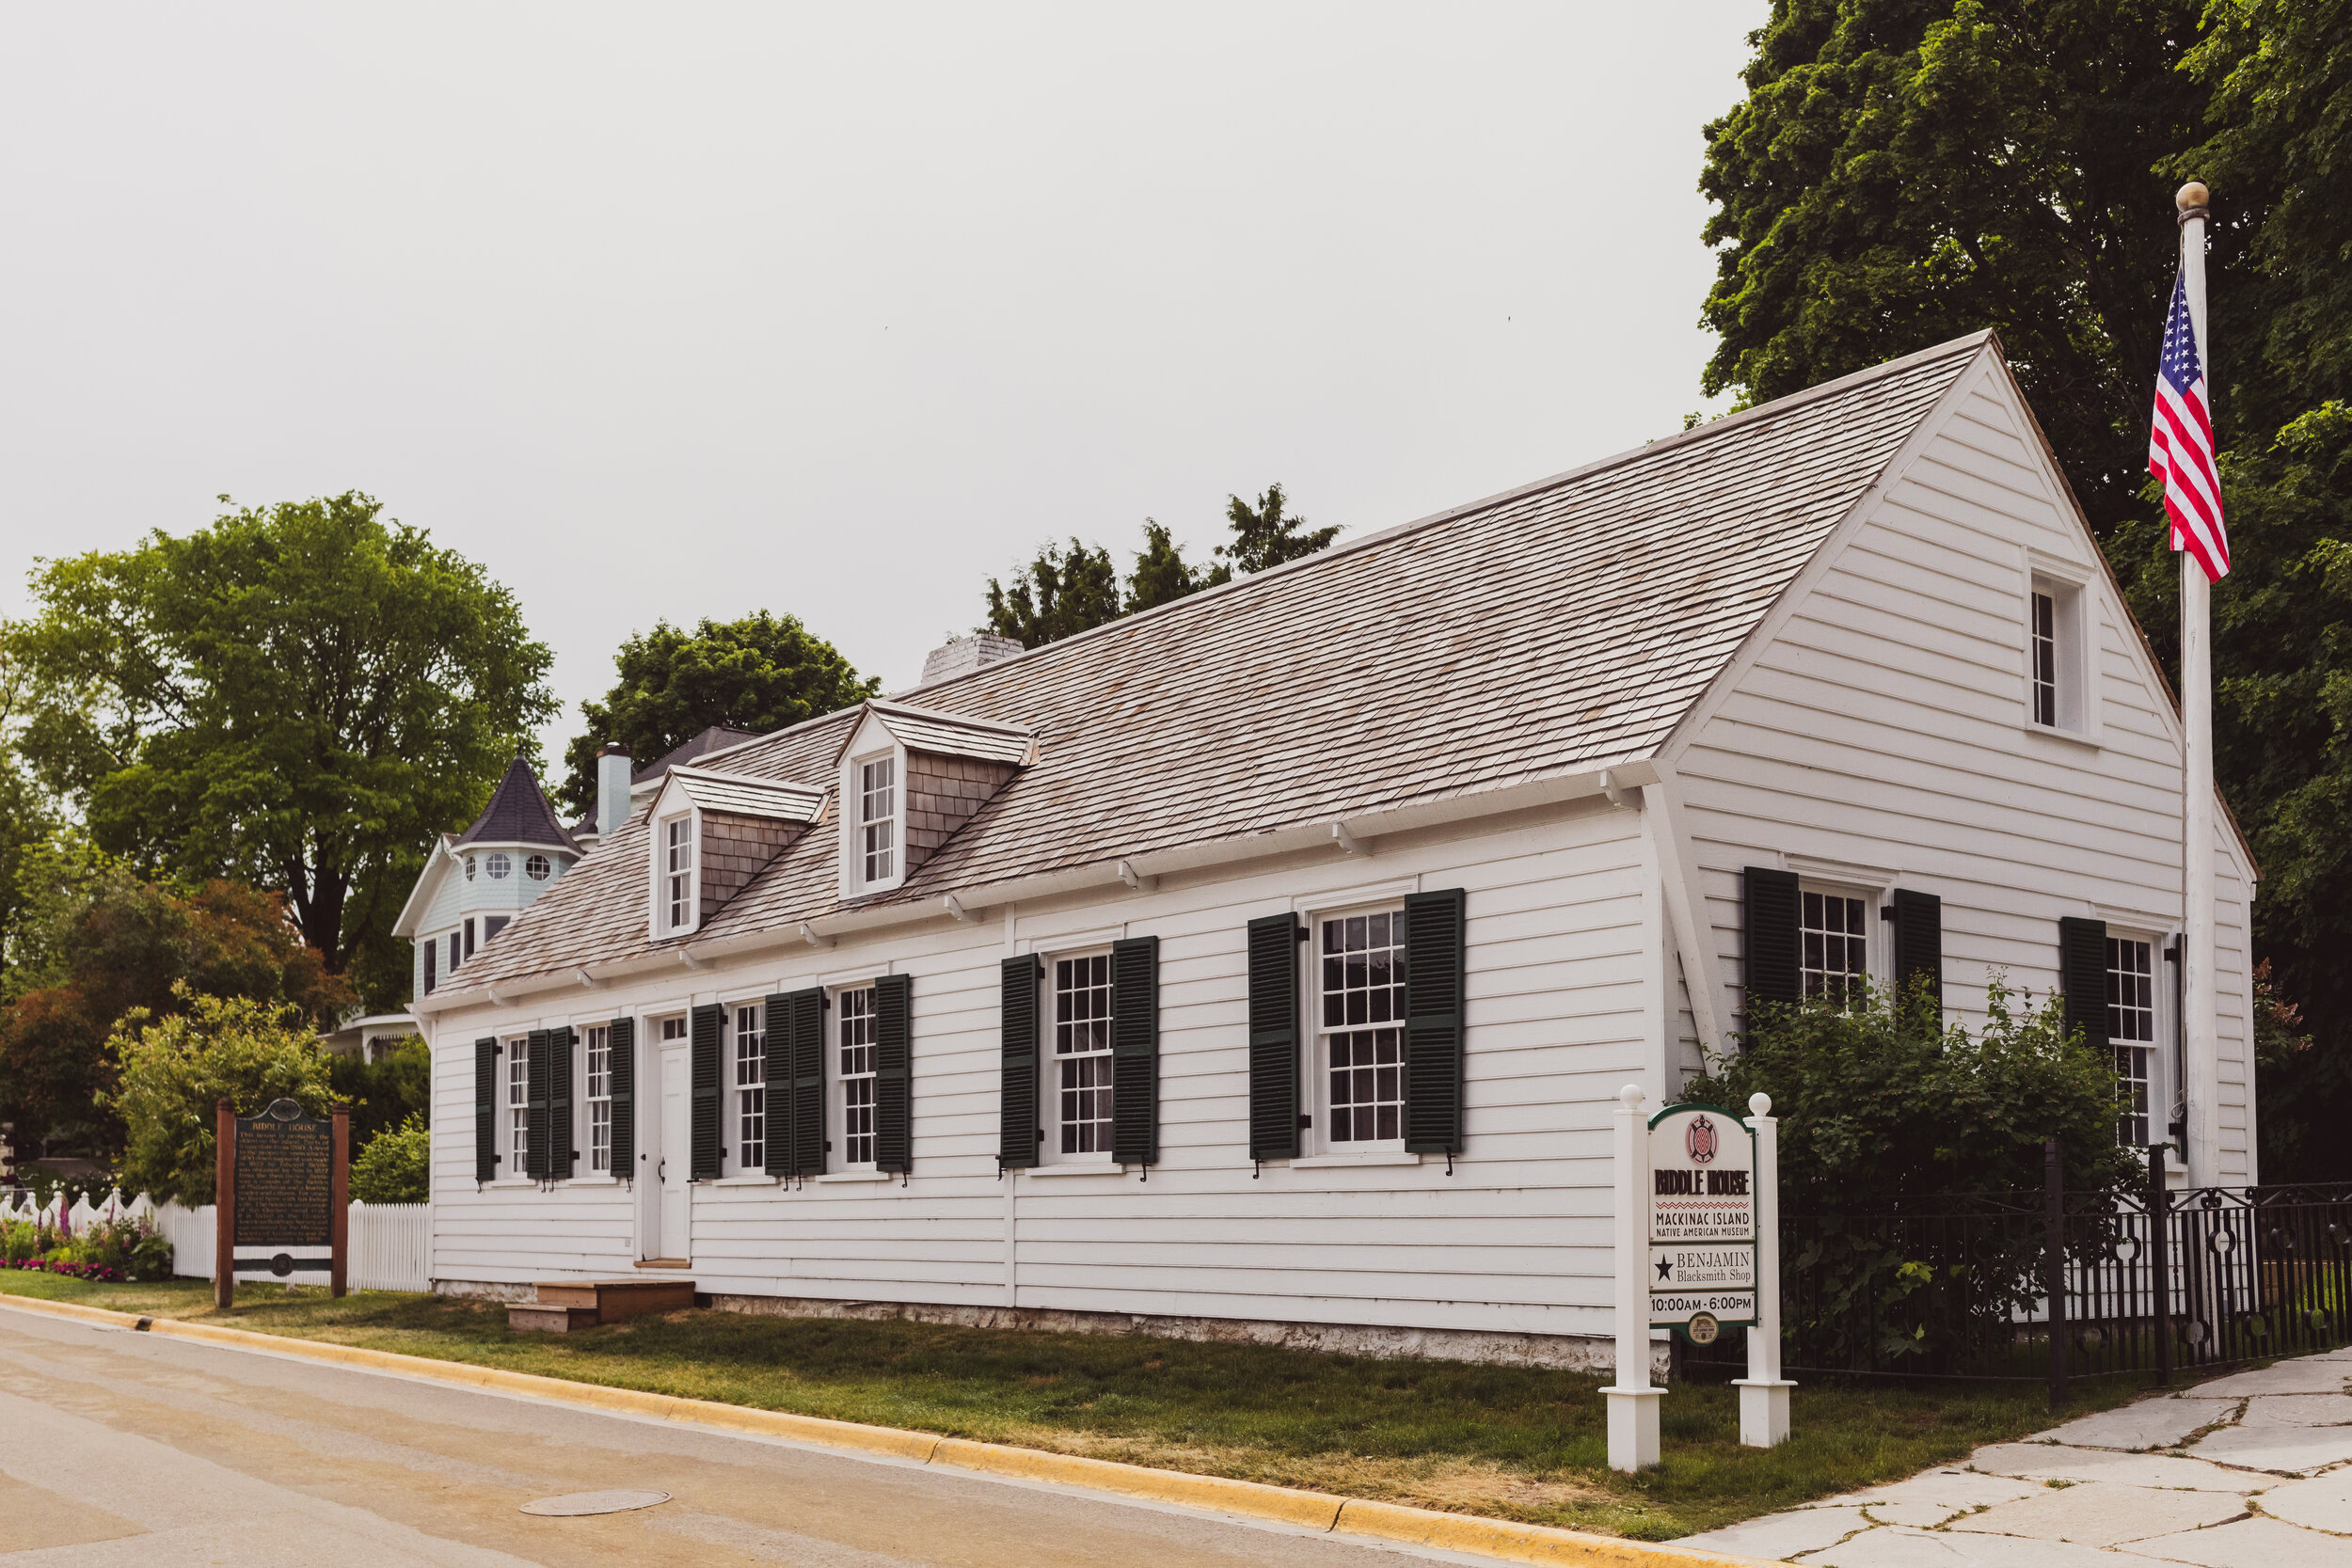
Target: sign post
[
  {"x": 225, "y": 1204},
  {"x": 1632, "y": 1402},
  {"x": 286, "y": 1183},
  {"x": 1764, "y": 1393}
]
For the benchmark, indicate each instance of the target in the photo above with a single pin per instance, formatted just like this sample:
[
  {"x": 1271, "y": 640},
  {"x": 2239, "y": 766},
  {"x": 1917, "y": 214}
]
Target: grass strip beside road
[{"x": 1506, "y": 1442}]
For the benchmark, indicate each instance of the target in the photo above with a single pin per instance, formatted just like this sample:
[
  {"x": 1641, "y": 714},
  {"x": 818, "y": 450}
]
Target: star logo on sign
[{"x": 1666, "y": 1267}]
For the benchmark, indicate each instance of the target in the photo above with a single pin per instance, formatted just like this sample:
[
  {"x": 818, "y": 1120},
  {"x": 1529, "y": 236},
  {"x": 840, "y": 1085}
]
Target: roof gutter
[{"x": 1354, "y": 834}]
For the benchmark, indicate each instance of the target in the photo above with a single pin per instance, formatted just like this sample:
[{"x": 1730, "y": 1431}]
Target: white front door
[{"x": 677, "y": 1144}]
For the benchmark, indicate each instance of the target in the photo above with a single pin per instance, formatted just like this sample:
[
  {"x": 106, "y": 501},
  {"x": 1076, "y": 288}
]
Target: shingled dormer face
[
  {"x": 909, "y": 778},
  {"x": 711, "y": 834}
]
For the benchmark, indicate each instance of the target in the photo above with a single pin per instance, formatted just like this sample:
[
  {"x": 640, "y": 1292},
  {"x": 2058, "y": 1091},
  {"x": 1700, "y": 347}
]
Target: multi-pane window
[
  {"x": 499, "y": 865},
  {"x": 878, "y": 817},
  {"x": 1082, "y": 1052},
  {"x": 1361, "y": 991},
  {"x": 677, "y": 870},
  {"x": 854, "y": 1036},
  {"x": 600, "y": 1098},
  {"x": 2132, "y": 1030},
  {"x": 750, "y": 1088},
  {"x": 1833, "y": 952},
  {"x": 517, "y": 1108},
  {"x": 2045, "y": 656},
  {"x": 538, "y": 868}
]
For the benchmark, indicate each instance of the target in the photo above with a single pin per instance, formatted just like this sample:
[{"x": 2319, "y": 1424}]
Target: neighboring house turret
[{"x": 478, "y": 881}]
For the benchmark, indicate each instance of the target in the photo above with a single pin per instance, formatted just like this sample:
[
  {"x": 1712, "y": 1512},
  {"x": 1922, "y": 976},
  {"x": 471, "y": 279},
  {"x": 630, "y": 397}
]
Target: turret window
[
  {"x": 469, "y": 868},
  {"x": 538, "y": 868},
  {"x": 500, "y": 866}
]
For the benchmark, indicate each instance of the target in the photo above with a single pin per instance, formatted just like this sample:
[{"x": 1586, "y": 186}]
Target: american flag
[{"x": 2180, "y": 444}]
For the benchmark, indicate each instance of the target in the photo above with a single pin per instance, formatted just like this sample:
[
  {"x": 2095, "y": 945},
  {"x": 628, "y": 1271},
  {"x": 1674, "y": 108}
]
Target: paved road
[
  {"x": 124, "y": 1448},
  {"x": 2250, "y": 1470}
]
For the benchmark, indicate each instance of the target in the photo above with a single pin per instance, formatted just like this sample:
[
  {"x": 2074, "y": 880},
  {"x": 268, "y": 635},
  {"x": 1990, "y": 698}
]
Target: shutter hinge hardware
[
  {"x": 1887, "y": 912},
  {"x": 1300, "y": 933},
  {"x": 1449, "y": 1162}
]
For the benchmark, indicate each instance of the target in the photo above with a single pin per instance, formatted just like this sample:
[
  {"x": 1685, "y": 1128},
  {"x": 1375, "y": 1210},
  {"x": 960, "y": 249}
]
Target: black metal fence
[{"x": 2147, "y": 1281}]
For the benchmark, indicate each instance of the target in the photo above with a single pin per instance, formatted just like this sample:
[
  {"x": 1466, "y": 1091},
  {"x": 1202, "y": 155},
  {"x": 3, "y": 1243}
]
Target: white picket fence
[{"x": 391, "y": 1244}]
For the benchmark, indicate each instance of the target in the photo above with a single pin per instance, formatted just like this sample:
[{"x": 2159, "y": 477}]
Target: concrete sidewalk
[{"x": 2251, "y": 1470}]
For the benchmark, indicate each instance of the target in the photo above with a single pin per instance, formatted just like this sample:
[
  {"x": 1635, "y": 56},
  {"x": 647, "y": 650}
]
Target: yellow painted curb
[
  {"x": 1455, "y": 1532},
  {"x": 1515, "y": 1542}
]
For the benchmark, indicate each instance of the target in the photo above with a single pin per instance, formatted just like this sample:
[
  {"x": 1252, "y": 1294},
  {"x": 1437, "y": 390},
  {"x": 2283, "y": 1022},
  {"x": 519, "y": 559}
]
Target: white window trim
[
  {"x": 2070, "y": 587},
  {"x": 733, "y": 1142},
  {"x": 1317, "y": 1149},
  {"x": 1878, "y": 932},
  {"x": 657, "y": 888},
  {"x": 2162, "y": 1090},
  {"x": 512, "y": 1172},
  {"x": 583, "y": 1116},
  {"x": 882, "y": 746},
  {"x": 1050, "y": 1156},
  {"x": 836, "y": 1093}
]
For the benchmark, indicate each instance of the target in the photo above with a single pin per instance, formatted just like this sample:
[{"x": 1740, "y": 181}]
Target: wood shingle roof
[{"x": 1555, "y": 629}]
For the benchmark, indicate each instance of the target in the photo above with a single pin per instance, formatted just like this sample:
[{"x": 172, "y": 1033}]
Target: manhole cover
[{"x": 573, "y": 1504}]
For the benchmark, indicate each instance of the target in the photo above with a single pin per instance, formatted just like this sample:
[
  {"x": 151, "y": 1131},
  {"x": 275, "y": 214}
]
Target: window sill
[
  {"x": 2072, "y": 737},
  {"x": 1341, "y": 1162},
  {"x": 756, "y": 1180},
  {"x": 831, "y": 1177},
  {"x": 605, "y": 1181},
  {"x": 1076, "y": 1169}
]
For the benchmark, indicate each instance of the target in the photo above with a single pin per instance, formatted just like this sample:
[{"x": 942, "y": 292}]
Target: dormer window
[
  {"x": 878, "y": 821},
  {"x": 677, "y": 873}
]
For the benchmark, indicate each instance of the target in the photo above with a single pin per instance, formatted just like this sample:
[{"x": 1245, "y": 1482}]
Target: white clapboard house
[{"x": 1268, "y": 963}]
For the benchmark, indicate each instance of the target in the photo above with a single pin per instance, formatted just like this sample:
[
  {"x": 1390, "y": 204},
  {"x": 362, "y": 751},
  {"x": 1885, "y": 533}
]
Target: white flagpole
[{"x": 2198, "y": 826}]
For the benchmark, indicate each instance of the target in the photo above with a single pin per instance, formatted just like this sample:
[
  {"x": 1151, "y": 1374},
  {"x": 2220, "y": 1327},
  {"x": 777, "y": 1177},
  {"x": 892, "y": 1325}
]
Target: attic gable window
[
  {"x": 677, "y": 873},
  {"x": 877, "y": 820}
]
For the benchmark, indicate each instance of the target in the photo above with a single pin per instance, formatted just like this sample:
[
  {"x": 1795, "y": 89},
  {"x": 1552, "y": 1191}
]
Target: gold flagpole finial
[{"x": 2191, "y": 197}]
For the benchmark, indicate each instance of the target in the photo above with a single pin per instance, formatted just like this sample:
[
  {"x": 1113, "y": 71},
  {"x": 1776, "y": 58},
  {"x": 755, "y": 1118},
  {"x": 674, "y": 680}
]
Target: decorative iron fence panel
[{"x": 1958, "y": 1286}]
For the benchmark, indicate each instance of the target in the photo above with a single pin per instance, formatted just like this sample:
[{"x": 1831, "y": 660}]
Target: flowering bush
[{"x": 100, "y": 1273}]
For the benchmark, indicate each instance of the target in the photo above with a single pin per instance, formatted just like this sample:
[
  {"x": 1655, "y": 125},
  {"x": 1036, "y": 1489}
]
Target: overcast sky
[{"x": 675, "y": 312}]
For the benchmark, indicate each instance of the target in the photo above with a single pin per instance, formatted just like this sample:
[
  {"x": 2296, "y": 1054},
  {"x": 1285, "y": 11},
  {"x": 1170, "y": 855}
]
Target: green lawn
[{"x": 1505, "y": 1441}]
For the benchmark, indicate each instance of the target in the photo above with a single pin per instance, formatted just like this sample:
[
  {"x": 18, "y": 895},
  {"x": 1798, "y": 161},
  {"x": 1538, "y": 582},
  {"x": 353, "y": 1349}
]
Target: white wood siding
[
  {"x": 1881, "y": 721},
  {"x": 1564, "y": 1004}
]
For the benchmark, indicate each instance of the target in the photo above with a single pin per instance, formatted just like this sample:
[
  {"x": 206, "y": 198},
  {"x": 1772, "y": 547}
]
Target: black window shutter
[
  {"x": 708, "y": 1031},
  {"x": 1433, "y": 1021},
  {"x": 560, "y": 1152},
  {"x": 894, "y": 1051},
  {"x": 1769, "y": 963},
  {"x": 2083, "y": 976},
  {"x": 1920, "y": 940},
  {"x": 623, "y": 1040},
  {"x": 432, "y": 965},
  {"x": 1136, "y": 1050},
  {"x": 486, "y": 1109},
  {"x": 805, "y": 1031},
  {"x": 1272, "y": 1037},
  {"x": 775, "y": 1070},
  {"x": 535, "y": 1068},
  {"x": 1017, "y": 1125}
]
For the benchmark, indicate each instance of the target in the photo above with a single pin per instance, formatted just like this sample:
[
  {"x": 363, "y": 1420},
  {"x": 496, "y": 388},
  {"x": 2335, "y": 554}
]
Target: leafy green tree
[
  {"x": 1266, "y": 535},
  {"x": 1060, "y": 593},
  {"x": 383, "y": 1095},
  {"x": 1162, "y": 576},
  {"x": 761, "y": 672},
  {"x": 1904, "y": 171},
  {"x": 395, "y": 1166},
  {"x": 173, "y": 1072},
  {"x": 100, "y": 941},
  {"x": 298, "y": 696}
]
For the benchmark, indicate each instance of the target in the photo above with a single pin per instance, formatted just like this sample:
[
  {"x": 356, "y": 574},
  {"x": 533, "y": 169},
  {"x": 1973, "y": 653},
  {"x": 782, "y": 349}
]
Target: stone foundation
[
  {"x": 1571, "y": 1352},
  {"x": 1576, "y": 1352}
]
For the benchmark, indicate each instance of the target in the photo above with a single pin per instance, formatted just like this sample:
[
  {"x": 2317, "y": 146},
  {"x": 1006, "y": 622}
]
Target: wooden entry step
[{"x": 566, "y": 1305}]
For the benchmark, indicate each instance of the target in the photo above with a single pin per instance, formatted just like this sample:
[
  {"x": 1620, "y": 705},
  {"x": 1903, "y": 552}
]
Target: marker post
[
  {"x": 1632, "y": 1402},
  {"x": 1764, "y": 1393}
]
